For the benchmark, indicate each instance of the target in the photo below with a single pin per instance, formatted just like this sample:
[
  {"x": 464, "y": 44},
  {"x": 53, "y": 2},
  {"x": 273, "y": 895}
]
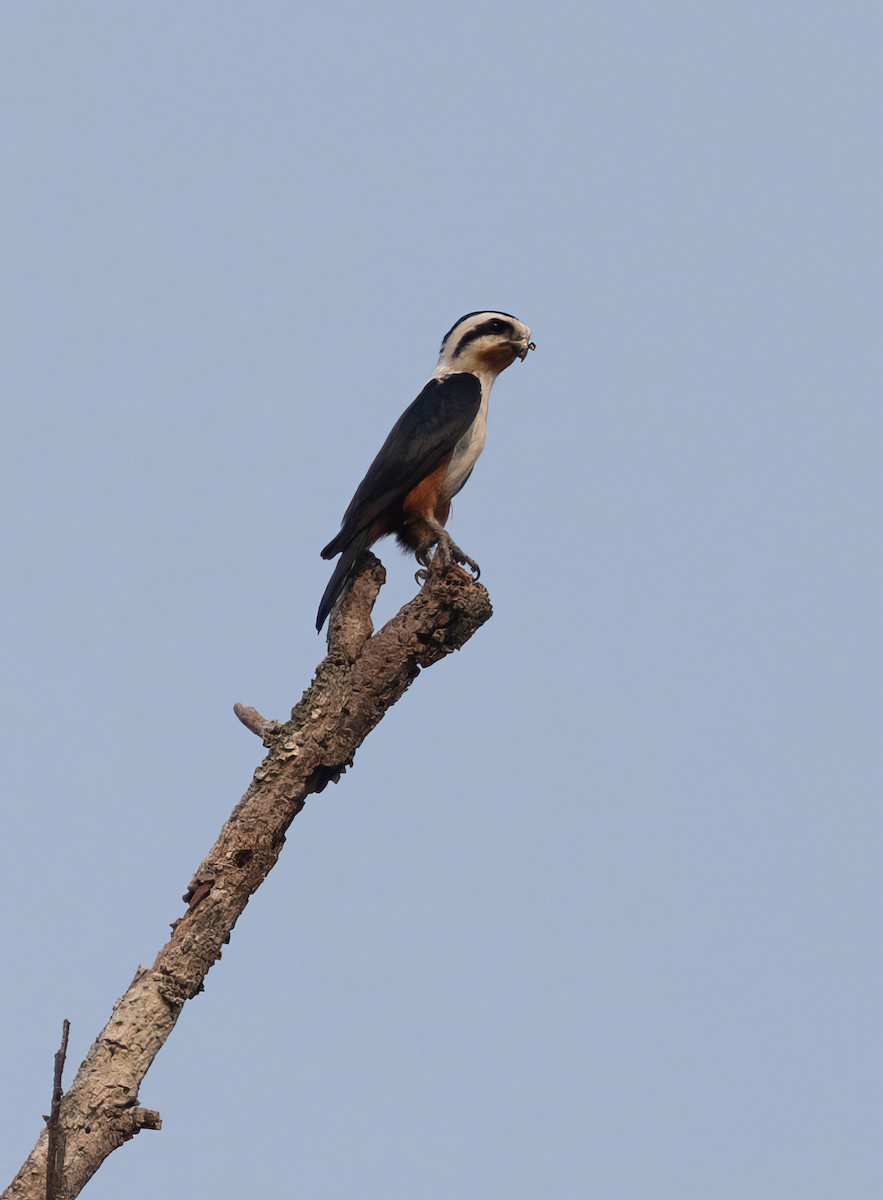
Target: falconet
[{"x": 429, "y": 453}]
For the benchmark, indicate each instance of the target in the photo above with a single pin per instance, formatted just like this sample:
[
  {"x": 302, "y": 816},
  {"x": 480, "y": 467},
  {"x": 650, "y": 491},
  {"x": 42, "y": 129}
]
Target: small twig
[
  {"x": 146, "y": 1118},
  {"x": 55, "y": 1154},
  {"x": 252, "y": 719}
]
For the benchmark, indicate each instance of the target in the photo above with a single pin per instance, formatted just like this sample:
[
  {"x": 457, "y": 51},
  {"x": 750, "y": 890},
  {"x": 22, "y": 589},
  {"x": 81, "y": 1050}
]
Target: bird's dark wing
[{"x": 423, "y": 436}]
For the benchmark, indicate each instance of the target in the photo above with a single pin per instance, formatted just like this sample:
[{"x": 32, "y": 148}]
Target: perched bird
[{"x": 430, "y": 452}]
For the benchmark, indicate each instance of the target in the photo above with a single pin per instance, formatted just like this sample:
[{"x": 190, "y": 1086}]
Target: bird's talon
[
  {"x": 457, "y": 556},
  {"x": 421, "y": 576}
]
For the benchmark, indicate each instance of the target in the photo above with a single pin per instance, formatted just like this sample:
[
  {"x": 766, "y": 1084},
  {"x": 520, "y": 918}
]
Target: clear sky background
[{"x": 597, "y": 912}]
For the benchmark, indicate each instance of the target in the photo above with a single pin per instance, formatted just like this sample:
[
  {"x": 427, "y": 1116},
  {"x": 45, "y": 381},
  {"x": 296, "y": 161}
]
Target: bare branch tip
[
  {"x": 260, "y": 726},
  {"x": 55, "y": 1148},
  {"x": 146, "y": 1118},
  {"x": 350, "y": 625}
]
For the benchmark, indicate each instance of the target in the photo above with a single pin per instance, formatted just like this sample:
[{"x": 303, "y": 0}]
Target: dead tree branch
[
  {"x": 55, "y": 1134},
  {"x": 363, "y": 675}
]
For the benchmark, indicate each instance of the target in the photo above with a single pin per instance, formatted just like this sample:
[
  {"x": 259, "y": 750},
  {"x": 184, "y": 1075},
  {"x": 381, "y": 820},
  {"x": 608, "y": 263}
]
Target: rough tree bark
[{"x": 363, "y": 674}]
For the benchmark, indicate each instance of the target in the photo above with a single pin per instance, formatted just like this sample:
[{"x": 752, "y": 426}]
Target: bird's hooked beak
[{"x": 521, "y": 347}]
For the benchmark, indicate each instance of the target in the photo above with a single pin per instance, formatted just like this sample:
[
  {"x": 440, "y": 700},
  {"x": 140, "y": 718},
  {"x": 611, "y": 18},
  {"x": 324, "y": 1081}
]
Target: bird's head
[{"x": 484, "y": 343}]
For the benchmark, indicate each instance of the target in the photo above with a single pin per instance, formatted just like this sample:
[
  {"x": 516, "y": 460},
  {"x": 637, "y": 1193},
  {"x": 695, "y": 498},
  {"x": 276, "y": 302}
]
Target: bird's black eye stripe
[
  {"x": 477, "y": 313},
  {"x": 495, "y": 325}
]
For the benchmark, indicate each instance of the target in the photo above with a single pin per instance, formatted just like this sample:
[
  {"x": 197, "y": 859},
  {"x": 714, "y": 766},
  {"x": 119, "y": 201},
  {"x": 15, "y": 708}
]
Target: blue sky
[{"x": 597, "y": 910}]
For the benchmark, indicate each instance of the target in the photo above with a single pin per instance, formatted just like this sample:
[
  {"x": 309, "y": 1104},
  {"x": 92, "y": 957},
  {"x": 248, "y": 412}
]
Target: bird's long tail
[{"x": 341, "y": 576}]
